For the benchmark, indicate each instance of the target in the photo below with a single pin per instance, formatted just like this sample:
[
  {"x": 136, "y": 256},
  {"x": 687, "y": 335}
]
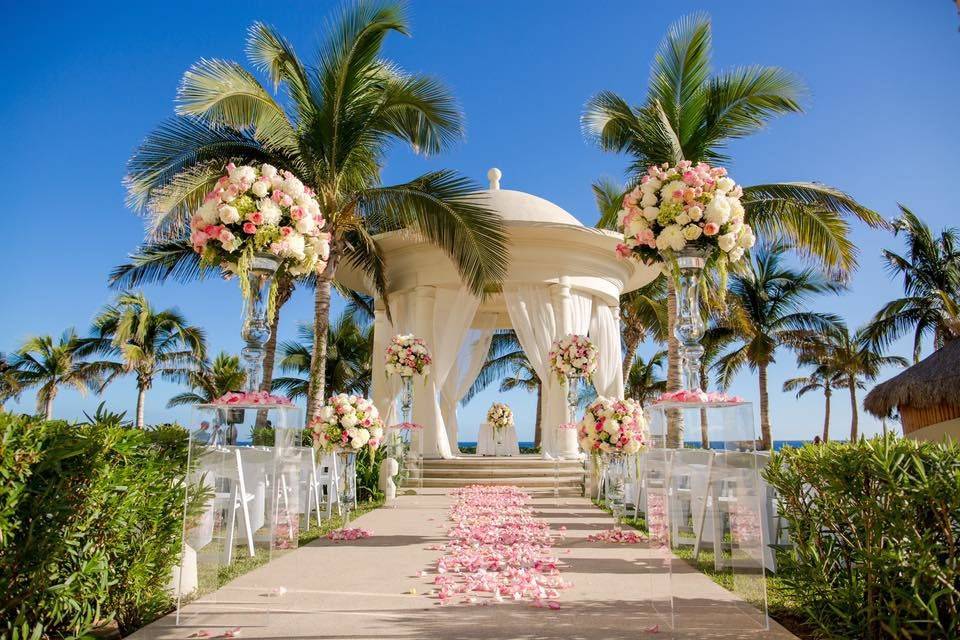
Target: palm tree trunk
[
  {"x": 765, "y": 439},
  {"x": 141, "y": 400},
  {"x": 826, "y": 415},
  {"x": 321, "y": 325},
  {"x": 854, "y": 413},
  {"x": 48, "y": 407},
  {"x": 704, "y": 422},
  {"x": 674, "y": 417},
  {"x": 536, "y": 428},
  {"x": 631, "y": 342}
]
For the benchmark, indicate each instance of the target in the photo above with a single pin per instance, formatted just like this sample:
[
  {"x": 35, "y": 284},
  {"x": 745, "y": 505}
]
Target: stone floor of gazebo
[{"x": 373, "y": 588}]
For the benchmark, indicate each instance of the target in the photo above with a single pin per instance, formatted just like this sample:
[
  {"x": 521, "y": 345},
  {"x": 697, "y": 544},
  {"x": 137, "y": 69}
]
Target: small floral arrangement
[
  {"x": 408, "y": 355},
  {"x": 573, "y": 356},
  {"x": 698, "y": 397},
  {"x": 252, "y": 397},
  {"x": 613, "y": 426},
  {"x": 500, "y": 416},
  {"x": 674, "y": 207},
  {"x": 347, "y": 422},
  {"x": 258, "y": 209}
]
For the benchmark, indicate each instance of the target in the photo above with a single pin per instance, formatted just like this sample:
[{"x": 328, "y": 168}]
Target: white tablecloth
[{"x": 487, "y": 443}]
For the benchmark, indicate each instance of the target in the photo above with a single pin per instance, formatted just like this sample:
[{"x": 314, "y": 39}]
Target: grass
[{"x": 781, "y": 605}]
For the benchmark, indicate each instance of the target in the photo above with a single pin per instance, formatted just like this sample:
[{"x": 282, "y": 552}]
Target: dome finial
[{"x": 494, "y": 176}]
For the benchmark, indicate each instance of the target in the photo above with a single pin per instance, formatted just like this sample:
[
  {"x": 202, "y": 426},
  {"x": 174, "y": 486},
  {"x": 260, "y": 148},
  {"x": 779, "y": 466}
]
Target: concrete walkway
[{"x": 362, "y": 589}]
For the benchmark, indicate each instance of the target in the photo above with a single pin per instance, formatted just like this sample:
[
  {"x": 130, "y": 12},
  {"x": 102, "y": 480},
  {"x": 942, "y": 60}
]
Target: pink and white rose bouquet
[
  {"x": 347, "y": 422},
  {"x": 573, "y": 356},
  {"x": 259, "y": 209},
  {"x": 500, "y": 416},
  {"x": 407, "y": 356},
  {"x": 613, "y": 426},
  {"x": 687, "y": 205}
]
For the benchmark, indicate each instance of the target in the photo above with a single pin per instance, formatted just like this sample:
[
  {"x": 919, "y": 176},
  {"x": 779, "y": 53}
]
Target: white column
[
  {"x": 381, "y": 391},
  {"x": 564, "y": 441},
  {"x": 426, "y": 411}
]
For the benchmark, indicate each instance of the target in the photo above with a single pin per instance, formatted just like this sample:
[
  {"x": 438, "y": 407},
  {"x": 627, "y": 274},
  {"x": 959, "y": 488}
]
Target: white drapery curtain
[
  {"x": 605, "y": 334},
  {"x": 534, "y": 319},
  {"x": 472, "y": 355},
  {"x": 580, "y": 307}
]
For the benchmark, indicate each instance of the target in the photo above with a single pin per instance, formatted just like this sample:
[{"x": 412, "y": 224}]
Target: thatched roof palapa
[{"x": 933, "y": 381}]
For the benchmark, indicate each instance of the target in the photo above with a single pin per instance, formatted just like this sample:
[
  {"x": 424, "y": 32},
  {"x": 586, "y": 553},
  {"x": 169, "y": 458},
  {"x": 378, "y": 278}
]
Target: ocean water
[{"x": 690, "y": 444}]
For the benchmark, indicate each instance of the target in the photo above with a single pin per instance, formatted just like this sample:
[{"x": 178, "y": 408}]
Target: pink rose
[
  {"x": 286, "y": 200},
  {"x": 249, "y": 228},
  {"x": 296, "y": 213},
  {"x": 277, "y": 196},
  {"x": 623, "y": 250},
  {"x": 285, "y": 231},
  {"x": 711, "y": 229},
  {"x": 256, "y": 217}
]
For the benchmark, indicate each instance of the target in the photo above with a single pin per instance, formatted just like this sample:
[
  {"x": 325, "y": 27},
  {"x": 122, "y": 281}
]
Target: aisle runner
[{"x": 497, "y": 550}]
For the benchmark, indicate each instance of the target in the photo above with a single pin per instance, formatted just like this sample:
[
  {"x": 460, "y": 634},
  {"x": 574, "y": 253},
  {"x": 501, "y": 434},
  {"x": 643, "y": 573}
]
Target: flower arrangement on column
[
  {"x": 345, "y": 425},
  {"x": 259, "y": 222},
  {"x": 500, "y": 417},
  {"x": 571, "y": 358},
  {"x": 407, "y": 356},
  {"x": 688, "y": 216},
  {"x": 611, "y": 430}
]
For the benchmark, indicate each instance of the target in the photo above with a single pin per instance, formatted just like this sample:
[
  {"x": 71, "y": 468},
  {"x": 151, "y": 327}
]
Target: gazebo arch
[{"x": 562, "y": 277}]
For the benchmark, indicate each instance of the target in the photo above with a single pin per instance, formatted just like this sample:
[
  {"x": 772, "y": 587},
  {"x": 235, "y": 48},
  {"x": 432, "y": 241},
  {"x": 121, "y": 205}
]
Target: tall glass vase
[
  {"x": 615, "y": 479},
  {"x": 256, "y": 326},
  {"x": 689, "y": 327},
  {"x": 346, "y": 481},
  {"x": 573, "y": 398}
]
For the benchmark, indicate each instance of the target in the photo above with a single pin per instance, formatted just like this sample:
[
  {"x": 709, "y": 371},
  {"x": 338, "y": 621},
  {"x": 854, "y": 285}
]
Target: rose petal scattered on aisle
[
  {"x": 349, "y": 534},
  {"x": 617, "y": 537},
  {"x": 654, "y": 629}
]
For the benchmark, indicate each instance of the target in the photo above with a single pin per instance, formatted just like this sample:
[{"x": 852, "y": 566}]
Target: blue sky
[{"x": 85, "y": 83}]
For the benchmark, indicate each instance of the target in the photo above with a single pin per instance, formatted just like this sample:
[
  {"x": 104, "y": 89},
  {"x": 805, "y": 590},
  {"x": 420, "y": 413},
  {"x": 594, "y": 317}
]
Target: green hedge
[
  {"x": 90, "y": 524},
  {"x": 876, "y": 529}
]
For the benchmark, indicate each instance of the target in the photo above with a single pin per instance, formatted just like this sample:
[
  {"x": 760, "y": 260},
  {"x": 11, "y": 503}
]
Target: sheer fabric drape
[
  {"x": 605, "y": 334},
  {"x": 473, "y": 354}
]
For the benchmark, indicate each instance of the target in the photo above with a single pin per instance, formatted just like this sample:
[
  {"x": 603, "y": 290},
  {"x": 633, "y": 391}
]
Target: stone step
[
  {"x": 503, "y": 462},
  {"x": 524, "y": 483},
  {"x": 499, "y": 472}
]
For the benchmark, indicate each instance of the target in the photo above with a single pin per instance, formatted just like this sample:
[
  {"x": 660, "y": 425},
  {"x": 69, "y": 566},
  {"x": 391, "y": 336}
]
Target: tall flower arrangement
[
  {"x": 347, "y": 422},
  {"x": 260, "y": 210},
  {"x": 407, "y": 356},
  {"x": 686, "y": 205},
  {"x": 573, "y": 356},
  {"x": 611, "y": 426}
]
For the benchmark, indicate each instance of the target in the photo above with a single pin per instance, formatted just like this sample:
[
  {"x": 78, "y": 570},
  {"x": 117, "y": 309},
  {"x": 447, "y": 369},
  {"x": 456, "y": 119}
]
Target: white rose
[
  {"x": 348, "y": 420},
  {"x": 695, "y": 213},
  {"x": 718, "y": 210},
  {"x": 651, "y": 185},
  {"x": 736, "y": 208},
  {"x": 735, "y": 254},
  {"x": 746, "y": 239},
  {"x": 271, "y": 211},
  {"x": 306, "y": 225},
  {"x": 632, "y": 447},
  {"x": 648, "y": 200},
  {"x": 228, "y": 214},
  {"x": 734, "y": 225},
  {"x": 682, "y": 219},
  {"x": 637, "y": 225},
  {"x": 725, "y": 184},
  {"x": 296, "y": 246},
  {"x": 651, "y": 213},
  {"x": 260, "y": 188},
  {"x": 692, "y": 232},
  {"x": 208, "y": 212},
  {"x": 612, "y": 427},
  {"x": 667, "y": 192},
  {"x": 727, "y": 241},
  {"x": 326, "y": 413},
  {"x": 293, "y": 186},
  {"x": 268, "y": 170}
]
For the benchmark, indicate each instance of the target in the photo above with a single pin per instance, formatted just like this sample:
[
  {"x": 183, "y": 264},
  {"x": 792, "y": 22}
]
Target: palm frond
[{"x": 156, "y": 262}]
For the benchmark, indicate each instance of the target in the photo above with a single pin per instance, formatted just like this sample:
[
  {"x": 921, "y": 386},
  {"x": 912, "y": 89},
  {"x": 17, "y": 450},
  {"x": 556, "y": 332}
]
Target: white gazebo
[{"x": 562, "y": 278}]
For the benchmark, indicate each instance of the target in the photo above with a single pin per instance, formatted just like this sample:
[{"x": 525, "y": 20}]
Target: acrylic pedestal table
[
  {"x": 251, "y": 479},
  {"x": 707, "y": 503}
]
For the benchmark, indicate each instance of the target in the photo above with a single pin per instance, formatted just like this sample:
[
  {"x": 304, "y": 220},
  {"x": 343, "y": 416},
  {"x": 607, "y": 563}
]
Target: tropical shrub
[
  {"x": 90, "y": 523},
  {"x": 874, "y": 525}
]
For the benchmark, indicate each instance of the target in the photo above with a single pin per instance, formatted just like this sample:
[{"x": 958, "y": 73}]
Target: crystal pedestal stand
[
  {"x": 256, "y": 326},
  {"x": 573, "y": 398},
  {"x": 690, "y": 326},
  {"x": 711, "y": 502},
  {"x": 615, "y": 470},
  {"x": 346, "y": 482},
  {"x": 243, "y": 501},
  {"x": 406, "y": 408}
]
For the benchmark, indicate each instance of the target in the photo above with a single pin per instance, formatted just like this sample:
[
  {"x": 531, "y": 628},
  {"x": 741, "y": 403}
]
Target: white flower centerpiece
[
  {"x": 346, "y": 425},
  {"x": 259, "y": 222},
  {"x": 688, "y": 216},
  {"x": 500, "y": 417},
  {"x": 611, "y": 430}
]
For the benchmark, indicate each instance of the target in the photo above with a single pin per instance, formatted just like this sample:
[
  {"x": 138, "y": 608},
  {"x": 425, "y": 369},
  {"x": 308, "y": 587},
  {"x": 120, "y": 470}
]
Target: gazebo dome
[{"x": 519, "y": 206}]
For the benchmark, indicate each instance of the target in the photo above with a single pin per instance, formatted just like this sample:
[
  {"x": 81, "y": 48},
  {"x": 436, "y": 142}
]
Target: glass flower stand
[
  {"x": 251, "y": 479},
  {"x": 710, "y": 506}
]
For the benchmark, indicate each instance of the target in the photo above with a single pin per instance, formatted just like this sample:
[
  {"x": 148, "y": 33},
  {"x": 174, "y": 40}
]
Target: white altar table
[{"x": 487, "y": 442}]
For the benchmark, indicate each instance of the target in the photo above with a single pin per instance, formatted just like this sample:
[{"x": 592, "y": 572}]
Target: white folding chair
[{"x": 237, "y": 502}]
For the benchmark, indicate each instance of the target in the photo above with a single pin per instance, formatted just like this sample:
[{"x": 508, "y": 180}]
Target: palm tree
[
  {"x": 338, "y": 119},
  {"x": 148, "y": 343},
  {"x": 40, "y": 362},
  {"x": 643, "y": 381},
  {"x": 854, "y": 360},
  {"x": 210, "y": 380},
  {"x": 507, "y": 362},
  {"x": 690, "y": 115},
  {"x": 9, "y": 380},
  {"x": 349, "y": 357},
  {"x": 767, "y": 311},
  {"x": 817, "y": 380},
  {"x": 931, "y": 286},
  {"x": 715, "y": 339}
]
